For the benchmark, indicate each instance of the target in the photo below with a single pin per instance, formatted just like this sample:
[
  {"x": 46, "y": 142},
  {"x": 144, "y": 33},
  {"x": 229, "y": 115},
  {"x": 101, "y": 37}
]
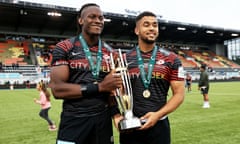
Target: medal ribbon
[
  {"x": 146, "y": 79},
  {"x": 94, "y": 68}
]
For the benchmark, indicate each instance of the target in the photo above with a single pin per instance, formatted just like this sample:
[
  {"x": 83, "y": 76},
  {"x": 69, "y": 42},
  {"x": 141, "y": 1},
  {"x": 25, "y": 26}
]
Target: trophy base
[{"x": 129, "y": 124}]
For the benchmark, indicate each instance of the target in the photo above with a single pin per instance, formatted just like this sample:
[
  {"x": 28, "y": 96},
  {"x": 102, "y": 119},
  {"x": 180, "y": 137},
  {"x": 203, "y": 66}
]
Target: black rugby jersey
[
  {"x": 167, "y": 68},
  {"x": 70, "y": 52}
]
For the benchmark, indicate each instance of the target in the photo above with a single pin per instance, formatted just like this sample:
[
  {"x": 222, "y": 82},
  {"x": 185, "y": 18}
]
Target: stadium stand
[
  {"x": 28, "y": 35},
  {"x": 14, "y": 52}
]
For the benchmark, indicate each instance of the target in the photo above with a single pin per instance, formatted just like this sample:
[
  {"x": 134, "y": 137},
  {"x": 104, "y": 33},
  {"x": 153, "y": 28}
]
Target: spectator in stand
[
  {"x": 1, "y": 65},
  {"x": 13, "y": 66},
  {"x": 203, "y": 86},
  {"x": 45, "y": 103},
  {"x": 17, "y": 65}
]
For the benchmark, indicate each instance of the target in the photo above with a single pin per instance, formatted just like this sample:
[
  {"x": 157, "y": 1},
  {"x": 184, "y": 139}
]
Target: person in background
[
  {"x": 189, "y": 82},
  {"x": 153, "y": 70},
  {"x": 45, "y": 103},
  {"x": 1, "y": 66},
  {"x": 81, "y": 76},
  {"x": 203, "y": 86}
]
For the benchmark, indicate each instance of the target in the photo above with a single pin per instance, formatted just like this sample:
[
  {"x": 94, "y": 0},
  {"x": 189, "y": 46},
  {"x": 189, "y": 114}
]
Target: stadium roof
[{"x": 25, "y": 18}]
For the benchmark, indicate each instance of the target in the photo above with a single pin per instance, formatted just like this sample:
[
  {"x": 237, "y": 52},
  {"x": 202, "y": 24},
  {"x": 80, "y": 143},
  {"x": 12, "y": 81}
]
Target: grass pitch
[{"x": 190, "y": 124}]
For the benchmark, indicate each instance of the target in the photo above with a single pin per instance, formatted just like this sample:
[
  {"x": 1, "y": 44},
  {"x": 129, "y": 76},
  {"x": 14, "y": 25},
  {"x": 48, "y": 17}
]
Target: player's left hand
[{"x": 151, "y": 120}]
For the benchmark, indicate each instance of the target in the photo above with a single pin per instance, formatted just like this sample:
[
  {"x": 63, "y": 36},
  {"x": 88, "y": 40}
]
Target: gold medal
[{"x": 146, "y": 93}]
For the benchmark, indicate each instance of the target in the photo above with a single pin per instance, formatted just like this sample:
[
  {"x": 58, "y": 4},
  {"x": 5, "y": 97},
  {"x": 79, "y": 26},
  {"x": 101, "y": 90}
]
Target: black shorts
[
  {"x": 86, "y": 130},
  {"x": 159, "y": 134},
  {"x": 204, "y": 90}
]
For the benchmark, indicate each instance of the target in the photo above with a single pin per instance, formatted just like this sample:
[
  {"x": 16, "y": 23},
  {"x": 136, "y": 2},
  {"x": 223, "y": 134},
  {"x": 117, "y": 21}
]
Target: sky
[{"x": 215, "y": 13}]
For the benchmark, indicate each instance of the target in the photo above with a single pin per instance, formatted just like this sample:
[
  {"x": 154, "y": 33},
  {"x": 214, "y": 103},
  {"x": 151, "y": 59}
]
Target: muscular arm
[
  {"x": 61, "y": 89},
  {"x": 173, "y": 103}
]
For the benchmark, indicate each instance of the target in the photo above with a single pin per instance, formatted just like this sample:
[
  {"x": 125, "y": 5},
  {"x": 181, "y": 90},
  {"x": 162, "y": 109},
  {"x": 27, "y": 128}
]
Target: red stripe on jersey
[
  {"x": 175, "y": 76},
  {"x": 65, "y": 45}
]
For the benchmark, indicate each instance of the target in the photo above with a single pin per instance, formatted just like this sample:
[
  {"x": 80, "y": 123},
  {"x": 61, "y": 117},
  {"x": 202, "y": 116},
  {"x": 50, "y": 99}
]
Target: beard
[
  {"x": 92, "y": 32},
  {"x": 148, "y": 41}
]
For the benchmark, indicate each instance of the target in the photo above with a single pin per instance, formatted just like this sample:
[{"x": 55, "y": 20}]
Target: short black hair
[
  {"x": 80, "y": 14},
  {"x": 143, "y": 14},
  {"x": 203, "y": 66},
  {"x": 85, "y": 6}
]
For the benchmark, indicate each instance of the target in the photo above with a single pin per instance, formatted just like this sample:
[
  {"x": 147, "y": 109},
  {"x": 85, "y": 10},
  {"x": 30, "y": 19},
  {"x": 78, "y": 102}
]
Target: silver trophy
[{"x": 124, "y": 96}]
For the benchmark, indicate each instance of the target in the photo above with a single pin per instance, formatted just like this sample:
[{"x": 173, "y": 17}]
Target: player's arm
[
  {"x": 175, "y": 100},
  {"x": 61, "y": 89},
  {"x": 173, "y": 103}
]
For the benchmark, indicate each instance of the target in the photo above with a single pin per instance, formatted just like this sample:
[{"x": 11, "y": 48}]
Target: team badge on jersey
[
  {"x": 159, "y": 62},
  {"x": 106, "y": 57},
  {"x": 181, "y": 72}
]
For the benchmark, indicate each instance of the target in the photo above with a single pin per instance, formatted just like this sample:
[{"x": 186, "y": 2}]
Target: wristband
[{"x": 89, "y": 89}]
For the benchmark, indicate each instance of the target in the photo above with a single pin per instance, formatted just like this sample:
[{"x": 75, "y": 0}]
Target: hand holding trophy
[{"x": 124, "y": 96}]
